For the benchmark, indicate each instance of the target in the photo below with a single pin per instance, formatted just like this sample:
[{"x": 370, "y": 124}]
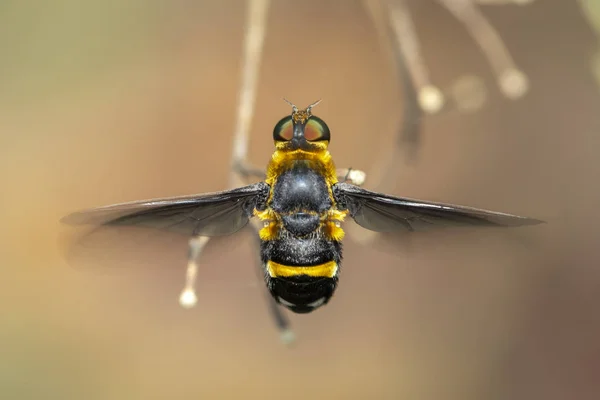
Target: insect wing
[
  {"x": 383, "y": 213},
  {"x": 209, "y": 214}
]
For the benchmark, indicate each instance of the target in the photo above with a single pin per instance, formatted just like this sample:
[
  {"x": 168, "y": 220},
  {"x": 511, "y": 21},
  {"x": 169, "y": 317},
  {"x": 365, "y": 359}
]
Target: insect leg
[
  {"x": 285, "y": 333},
  {"x": 283, "y": 324},
  {"x": 188, "y": 298},
  {"x": 354, "y": 176}
]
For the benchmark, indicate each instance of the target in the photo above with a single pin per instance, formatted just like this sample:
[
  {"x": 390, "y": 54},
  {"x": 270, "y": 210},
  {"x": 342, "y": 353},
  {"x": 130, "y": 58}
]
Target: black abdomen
[
  {"x": 301, "y": 266},
  {"x": 315, "y": 264},
  {"x": 302, "y": 294}
]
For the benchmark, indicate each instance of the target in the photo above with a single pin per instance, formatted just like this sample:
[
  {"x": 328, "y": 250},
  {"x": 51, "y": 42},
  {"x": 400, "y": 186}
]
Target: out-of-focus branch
[
  {"x": 392, "y": 19},
  {"x": 429, "y": 96},
  {"x": 467, "y": 93},
  {"x": 253, "y": 45},
  {"x": 410, "y": 117},
  {"x": 410, "y": 72},
  {"x": 240, "y": 169},
  {"x": 512, "y": 82},
  {"x": 504, "y": 2},
  {"x": 591, "y": 12}
]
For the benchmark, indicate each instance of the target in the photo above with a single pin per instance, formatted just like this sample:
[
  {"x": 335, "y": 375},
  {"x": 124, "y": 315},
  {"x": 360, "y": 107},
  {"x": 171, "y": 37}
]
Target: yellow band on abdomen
[{"x": 327, "y": 270}]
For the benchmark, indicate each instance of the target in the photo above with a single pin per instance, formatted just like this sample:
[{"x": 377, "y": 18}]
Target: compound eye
[
  {"x": 316, "y": 129},
  {"x": 284, "y": 130}
]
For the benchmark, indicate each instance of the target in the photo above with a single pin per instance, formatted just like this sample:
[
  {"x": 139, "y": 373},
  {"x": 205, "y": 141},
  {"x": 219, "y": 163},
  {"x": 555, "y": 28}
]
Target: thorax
[{"x": 301, "y": 200}]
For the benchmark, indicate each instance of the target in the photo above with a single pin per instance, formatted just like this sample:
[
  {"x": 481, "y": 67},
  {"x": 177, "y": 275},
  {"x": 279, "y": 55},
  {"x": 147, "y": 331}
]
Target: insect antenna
[{"x": 294, "y": 108}]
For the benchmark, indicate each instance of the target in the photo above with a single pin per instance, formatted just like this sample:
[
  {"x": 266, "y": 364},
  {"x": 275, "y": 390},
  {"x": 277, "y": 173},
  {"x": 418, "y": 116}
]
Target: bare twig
[
  {"x": 408, "y": 136},
  {"x": 430, "y": 96},
  {"x": 504, "y": 2},
  {"x": 253, "y": 41},
  {"x": 391, "y": 34},
  {"x": 512, "y": 82},
  {"x": 253, "y": 45}
]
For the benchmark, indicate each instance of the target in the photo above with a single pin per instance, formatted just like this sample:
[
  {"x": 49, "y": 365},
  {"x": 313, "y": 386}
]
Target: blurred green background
[{"x": 103, "y": 102}]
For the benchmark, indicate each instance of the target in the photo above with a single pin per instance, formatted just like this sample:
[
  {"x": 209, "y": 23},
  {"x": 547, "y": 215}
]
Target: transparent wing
[
  {"x": 383, "y": 213},
  {"x": 209, "y": 214}
]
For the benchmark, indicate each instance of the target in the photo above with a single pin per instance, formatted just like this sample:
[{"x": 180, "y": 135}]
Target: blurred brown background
[{"x": 103, "y": 102}]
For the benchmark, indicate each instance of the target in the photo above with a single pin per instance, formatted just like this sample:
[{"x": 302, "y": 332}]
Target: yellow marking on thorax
[
  {"x": 327, "y": 270},
  {"x": 271, "y": 224},
  {"x": 332, "y": 225},
  {"x": 319, "y": 159}
]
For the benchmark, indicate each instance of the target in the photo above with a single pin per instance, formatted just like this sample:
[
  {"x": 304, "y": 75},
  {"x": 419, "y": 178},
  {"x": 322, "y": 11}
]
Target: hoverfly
[{"x": 301, "y": 204}]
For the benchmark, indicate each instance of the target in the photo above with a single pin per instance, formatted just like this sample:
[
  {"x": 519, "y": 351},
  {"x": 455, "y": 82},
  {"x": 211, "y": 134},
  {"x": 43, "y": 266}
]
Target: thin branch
[
  {"x": 408, "y": 137},
  {"x": 253, "y": 45},
  {"x": 512, "y": 82},
  {"x": 254, "y": 37},
  {"x": 503, "y": 2},
  {"x": 430, "y": 97},
  {"x": 409, "y": 131}
]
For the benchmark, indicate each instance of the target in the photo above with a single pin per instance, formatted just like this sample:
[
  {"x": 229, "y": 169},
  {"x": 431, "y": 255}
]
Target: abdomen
[
  {"x": 301, "y": 274},
  {"x": 301, "y": 264}
]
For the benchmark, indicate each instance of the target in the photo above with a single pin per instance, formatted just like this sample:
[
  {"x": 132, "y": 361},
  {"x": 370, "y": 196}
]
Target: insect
[{"x": 301, "y": 204}]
